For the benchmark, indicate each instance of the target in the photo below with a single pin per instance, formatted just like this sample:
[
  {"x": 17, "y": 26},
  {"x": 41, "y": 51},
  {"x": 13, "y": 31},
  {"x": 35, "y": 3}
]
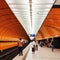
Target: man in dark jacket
[{"x": 52, "y": 45}]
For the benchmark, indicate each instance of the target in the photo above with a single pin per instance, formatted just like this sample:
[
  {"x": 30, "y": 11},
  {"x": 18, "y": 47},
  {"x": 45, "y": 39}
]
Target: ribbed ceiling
[
  {"x": 10, "y": 28},
  {"x": 51, "y": 25},
  {"x": 30, "y": 13},
  {"x": 21, "y": 10}
]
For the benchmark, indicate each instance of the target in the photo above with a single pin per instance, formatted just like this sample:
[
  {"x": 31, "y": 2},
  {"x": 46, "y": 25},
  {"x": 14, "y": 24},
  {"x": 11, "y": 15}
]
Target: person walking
[{"x": 33, "y": 49}]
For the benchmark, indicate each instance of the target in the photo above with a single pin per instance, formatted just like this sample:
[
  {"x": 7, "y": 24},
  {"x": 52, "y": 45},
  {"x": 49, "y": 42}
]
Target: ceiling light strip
[{"x": 30, "y": 2}]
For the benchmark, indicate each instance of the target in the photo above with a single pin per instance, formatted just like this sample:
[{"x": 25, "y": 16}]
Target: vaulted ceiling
[
  {"x": 14, "y": 27},
  {"x": 51, "y": 26},
  {"x": 10, "y": 28},
  {"x": 30, "y": 13}
]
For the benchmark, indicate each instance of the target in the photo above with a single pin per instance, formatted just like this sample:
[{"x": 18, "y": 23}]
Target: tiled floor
[{"x": 44, "y": 53}]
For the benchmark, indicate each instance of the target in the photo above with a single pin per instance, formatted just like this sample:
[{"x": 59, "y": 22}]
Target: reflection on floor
[{"x": 43, "y": 53}]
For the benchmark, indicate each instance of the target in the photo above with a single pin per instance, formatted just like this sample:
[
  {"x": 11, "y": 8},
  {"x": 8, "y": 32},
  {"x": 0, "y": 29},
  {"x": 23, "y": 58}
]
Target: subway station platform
[
  {"x": 24, "y": 20},
  {"x": 43, "y": 53}
]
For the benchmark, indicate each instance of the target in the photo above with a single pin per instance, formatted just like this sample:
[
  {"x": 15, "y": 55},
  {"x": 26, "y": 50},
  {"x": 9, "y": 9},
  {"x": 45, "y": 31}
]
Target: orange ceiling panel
[
  {"x": 10, "y": 28},
  {"x": 51, "y": 25}
]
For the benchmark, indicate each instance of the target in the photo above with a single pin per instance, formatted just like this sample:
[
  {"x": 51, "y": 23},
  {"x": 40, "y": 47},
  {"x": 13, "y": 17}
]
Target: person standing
[
  {"x": 36, "y": 47},
  {"x": 52, "y": 45},
  {"x": 20, "y": 46}
]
